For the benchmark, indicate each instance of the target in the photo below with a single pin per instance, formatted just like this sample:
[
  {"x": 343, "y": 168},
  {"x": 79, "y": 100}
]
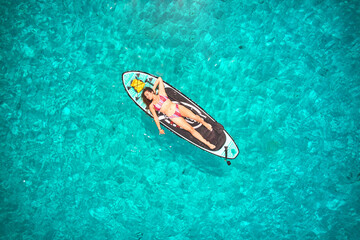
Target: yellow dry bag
[{"x": 138, "y": 85}]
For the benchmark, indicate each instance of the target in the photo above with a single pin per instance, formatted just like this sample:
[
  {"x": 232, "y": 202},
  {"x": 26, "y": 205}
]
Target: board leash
[{"x": 226, "y": 156}]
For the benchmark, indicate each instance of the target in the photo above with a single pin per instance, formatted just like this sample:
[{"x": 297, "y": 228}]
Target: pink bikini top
[{"x": 161, "y": 102}]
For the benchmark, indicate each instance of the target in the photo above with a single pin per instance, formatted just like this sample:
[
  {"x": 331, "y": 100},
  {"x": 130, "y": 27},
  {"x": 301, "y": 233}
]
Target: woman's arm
[
  {"x": 156, "y": 84},
  {"x": 159, "y": 82},
  {"x": 152, "y": 110}
]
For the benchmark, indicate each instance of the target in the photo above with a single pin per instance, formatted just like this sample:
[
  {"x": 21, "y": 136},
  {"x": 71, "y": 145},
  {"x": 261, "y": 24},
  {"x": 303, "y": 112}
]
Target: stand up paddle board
[{"x": 134, "y": 83}]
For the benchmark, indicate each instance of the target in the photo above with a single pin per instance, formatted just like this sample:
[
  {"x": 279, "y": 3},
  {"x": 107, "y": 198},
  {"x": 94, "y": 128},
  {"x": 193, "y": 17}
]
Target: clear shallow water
[{"x": 80, "y": 161}]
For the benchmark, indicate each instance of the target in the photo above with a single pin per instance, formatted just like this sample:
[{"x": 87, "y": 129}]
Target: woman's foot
[{"x": 211, "y": 146}]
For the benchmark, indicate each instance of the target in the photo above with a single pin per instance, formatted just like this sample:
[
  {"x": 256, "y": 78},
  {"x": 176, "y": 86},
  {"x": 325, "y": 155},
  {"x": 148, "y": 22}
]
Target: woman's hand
[{"x": 161, "y": 132}]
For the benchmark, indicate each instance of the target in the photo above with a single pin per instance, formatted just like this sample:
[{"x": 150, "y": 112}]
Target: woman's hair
[{"x": 145, "y": 100}]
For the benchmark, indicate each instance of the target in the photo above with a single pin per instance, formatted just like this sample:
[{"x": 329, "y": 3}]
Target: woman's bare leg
[
  {"x": 183, "y": 124},
  {"x": 189, "y": 114}
]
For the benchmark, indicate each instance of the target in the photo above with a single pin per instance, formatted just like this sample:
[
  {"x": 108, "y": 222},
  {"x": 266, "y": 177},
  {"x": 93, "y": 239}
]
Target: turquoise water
[{"x": 79, "y": 160}]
